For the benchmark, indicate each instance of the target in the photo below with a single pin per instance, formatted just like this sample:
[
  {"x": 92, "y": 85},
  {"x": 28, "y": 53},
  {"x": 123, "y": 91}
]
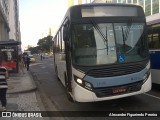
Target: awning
[{"x": 10, "y": 42}]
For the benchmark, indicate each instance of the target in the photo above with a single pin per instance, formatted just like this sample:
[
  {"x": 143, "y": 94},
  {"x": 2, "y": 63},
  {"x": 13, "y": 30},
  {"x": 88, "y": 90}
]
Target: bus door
[{"x": 68, "y": 56}]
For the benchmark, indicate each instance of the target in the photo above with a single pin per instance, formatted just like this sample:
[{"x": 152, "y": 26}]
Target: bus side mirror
[{"x": 65, "y": 33}]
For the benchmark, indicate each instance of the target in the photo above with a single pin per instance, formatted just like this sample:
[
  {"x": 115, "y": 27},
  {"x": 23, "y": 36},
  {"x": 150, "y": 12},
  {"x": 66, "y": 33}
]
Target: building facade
[
  {"x": 14, "y": 23},
  {"x": 10, "y": 40},
  {"x": 4, "y": 16},
  {"x": 150, "y": 6},
  {"x": 9, "y": 20},
  {"x": 76, "y": 2},
  {"x": 102, "y": 1}
]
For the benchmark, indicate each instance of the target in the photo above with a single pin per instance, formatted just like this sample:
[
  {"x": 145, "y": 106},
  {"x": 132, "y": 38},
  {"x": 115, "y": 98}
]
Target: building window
[
  {"x": 154, "y": 42},
  {"x": 108, "y": 1},
  {"x": 129, "y": 1},
  {"x": 114, "y": 1},
  {"x": 121, "y": 1},
  {"x": 155, "y": 6},
  {"x": 148, "y": 7},
  {"x": 134, "y": 1},
  {"x": 141, "y": 3}
]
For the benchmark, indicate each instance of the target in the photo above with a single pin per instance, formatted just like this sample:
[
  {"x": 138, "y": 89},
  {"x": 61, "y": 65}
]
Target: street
[{"x": 54, "y": 96}]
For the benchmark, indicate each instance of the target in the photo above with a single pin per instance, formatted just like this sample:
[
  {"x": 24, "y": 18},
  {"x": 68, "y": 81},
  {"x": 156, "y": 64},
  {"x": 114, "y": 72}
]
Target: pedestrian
[
  {"x": 41, "y": 57},
  {"x": 27, "y": 61},
  {"x": 21, "y": 63},
  {"x": 3, "y": 87}
]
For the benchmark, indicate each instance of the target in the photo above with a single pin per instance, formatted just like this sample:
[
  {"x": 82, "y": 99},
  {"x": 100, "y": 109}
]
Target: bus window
[
  {"x": 154, "y": 42},
  {"x": 63, "y": 46},
  {"x": 91, "y": 48}
]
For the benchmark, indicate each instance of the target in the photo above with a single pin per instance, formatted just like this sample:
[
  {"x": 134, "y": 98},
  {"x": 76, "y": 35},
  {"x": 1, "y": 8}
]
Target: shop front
[{"x": 9, "y": 55}]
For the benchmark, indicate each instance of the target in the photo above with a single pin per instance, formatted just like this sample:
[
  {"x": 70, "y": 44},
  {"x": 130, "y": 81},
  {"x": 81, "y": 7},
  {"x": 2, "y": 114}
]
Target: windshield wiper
[
  {"x": 125, "y": 33},
  {"x": 124, "y": 39},
  {"x": 128, "y": 29},
  {"x": 98, "y": 29}
]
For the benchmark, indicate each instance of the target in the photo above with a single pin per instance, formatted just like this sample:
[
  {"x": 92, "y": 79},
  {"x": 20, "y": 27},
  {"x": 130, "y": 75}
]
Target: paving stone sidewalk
[{"x": 21, "y": 95}]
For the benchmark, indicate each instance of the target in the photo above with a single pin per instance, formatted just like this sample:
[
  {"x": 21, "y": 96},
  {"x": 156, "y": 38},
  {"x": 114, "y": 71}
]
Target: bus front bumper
[{"x": 83, "y": 95}]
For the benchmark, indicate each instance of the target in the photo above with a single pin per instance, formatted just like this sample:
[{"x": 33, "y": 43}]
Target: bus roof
[
  {"x": 74, "y": 10},
  {"x": 105, "y": 4}
]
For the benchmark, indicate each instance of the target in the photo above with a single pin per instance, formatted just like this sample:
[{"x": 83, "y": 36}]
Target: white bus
[
  {"x": 27, "y": 52},
  {"x": 101, "y": 52}
]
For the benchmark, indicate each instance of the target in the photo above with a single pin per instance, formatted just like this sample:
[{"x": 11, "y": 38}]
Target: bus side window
[
  {"x": 63, "y": 49},
  {"x": 60, "y": 45},
  {"x": 66, "y": 30},
  {"x": 57, "y": 44},
  {"x": 154, "y": 42}
]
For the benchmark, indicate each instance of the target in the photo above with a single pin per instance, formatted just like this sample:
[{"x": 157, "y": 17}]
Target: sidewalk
[
  {"x": 20, "y": 83},
  {"x": 21, "y": 94}
]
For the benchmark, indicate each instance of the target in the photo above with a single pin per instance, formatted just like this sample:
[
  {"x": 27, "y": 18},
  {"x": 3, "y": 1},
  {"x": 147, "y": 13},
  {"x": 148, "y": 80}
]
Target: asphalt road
[{"x": 54, "y": 96}]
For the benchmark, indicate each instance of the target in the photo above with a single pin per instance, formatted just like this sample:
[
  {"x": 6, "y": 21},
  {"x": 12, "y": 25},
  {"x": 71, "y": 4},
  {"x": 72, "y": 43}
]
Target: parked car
[
  {"x": 32, "y": 59},
  {"x": 45, "y": 56}
]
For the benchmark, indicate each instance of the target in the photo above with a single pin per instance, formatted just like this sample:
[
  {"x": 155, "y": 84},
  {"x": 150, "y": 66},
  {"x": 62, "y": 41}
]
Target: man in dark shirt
[{"x": 27, "y": 61}]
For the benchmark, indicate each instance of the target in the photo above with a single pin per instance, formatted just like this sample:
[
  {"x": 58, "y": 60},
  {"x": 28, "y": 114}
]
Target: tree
[
  {"x": 34, "y": 49},
  {"x": 45, "y": 43}
]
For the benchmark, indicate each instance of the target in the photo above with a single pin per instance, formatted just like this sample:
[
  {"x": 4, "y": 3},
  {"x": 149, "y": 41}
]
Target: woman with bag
[{"x": 3, "y": 87}]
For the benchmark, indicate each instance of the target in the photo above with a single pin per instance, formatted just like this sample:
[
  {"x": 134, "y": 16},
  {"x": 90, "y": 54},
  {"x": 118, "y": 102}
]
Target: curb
[{"x": 23, "y": 91}]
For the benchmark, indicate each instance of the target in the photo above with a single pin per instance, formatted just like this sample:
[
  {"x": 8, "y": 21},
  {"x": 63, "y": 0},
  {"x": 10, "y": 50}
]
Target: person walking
[
  {"x": 21, "y": 63},
  {"x": 41, "y": 57},
  {"x": 27, "y": 60},
  {"x": 3, "y": 87}
]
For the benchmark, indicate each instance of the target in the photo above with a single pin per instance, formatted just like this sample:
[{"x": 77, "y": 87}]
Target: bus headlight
[
  {"x": 83, "y": 83},
  {"x": 146, "y": 75},
  {"x": 79, "y": 81}
]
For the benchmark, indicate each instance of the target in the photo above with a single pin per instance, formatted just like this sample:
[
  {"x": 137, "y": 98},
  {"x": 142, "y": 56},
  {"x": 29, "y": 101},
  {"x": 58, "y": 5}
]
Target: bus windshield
[{"x": 108, "y": 43}]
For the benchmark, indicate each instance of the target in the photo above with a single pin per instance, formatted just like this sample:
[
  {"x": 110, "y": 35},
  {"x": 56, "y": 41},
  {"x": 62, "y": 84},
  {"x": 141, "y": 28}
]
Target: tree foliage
[
  {"x": 34, "y": 50},
  {"x": 45, "y": 44}
]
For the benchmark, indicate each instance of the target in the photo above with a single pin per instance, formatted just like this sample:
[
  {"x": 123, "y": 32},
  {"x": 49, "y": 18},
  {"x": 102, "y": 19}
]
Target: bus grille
[
  {"x": 108, "y": 91},
  {"x": 115, "y": 71}
]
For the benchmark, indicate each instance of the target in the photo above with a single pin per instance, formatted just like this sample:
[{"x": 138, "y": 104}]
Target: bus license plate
[{"x": 118, "y": 90}]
